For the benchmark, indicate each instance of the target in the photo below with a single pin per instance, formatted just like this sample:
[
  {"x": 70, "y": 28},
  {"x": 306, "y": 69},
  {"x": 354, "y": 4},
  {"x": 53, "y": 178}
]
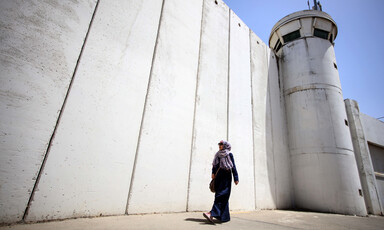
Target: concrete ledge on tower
[{"x": 306, "y": 23}]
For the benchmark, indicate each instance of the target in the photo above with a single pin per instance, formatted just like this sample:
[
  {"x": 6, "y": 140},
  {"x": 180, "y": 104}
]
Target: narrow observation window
[
  {"x": 291, "y": 36},
  {"x": 278, "y": 45},
  {"x": 321, "y": 33},
  {"x": 360, "y": 192}
]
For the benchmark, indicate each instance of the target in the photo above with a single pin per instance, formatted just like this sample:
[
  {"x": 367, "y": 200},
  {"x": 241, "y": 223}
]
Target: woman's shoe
[{"x": 208, "y": 217}]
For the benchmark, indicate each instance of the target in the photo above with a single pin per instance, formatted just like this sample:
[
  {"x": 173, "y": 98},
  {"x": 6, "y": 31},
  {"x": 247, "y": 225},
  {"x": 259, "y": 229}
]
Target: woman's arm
[
  {"x": 214, "y": 170},
  {"x": 234, "y": 170}
]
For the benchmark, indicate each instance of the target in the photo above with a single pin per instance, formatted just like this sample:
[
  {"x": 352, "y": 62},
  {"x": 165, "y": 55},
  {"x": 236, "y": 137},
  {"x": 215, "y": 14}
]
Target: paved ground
[{"x": 193, "y": 220}]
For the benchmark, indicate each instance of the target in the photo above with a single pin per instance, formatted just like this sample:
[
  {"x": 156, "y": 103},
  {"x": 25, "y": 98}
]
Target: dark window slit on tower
[
  {"x": 291, "y": 36},
  {"x": 278, "y": 45},
  {"x": 320, "y": 33}
]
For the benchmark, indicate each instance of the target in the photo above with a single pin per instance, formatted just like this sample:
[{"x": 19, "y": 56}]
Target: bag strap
[{"x": 217, "y": 171}]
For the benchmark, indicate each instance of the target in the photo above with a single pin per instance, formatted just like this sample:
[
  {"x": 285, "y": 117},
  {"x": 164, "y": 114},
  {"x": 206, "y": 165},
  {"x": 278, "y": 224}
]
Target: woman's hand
[
  {"x": 213, "y": 176},
  {"x": 236, "y": 182}
]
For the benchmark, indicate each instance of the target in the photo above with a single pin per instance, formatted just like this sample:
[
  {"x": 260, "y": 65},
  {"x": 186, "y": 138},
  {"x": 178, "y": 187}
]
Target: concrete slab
[
  {"x": 40, "y": 45},
  {"x": 210, "y": 123},
  {"x": 274, "y": 220},
  {"x": 373, "y": 129},
  {"x": 160, "y": 181},
  {"x": 278, "y": 156},
  {"x": 89, "y": 167},
  {"x": 259, "y": 72},
  {"x": 240, "y": 114}
]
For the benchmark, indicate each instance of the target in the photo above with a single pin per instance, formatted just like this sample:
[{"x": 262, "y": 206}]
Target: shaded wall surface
[
  {"x": 377, "y": 156},
  {"x": 114, "y": 107},
  {"x": 374, "y": 135},
  {"x": 370, "y": 190}
]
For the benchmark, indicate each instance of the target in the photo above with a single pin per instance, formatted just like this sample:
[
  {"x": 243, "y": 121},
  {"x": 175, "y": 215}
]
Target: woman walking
[{"x": 222, "y": 166}]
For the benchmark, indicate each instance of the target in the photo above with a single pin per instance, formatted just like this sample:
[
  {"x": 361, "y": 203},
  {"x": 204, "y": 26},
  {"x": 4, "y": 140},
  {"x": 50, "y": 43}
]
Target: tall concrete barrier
[
  {"x": 40, "y": 45},
  {"x": 278, "y": 150},
  {"x": 240, "y": 114},
  {"x": 116, "y": 107},
  {"x": 274, "y": 186},
  {"x": 88, "y": 170},
  {"x": 160, "y": 179},
  {"x": 260, "y": 111},
  {"x": 210, "y": 122}
]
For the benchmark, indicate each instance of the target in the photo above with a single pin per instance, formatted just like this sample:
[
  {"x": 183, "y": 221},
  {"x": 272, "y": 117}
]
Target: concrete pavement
[{"x": 275, "y": 220}]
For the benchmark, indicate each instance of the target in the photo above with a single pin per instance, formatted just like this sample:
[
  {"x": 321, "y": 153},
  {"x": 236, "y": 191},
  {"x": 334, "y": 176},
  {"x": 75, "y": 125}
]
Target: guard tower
[{"x": 324, "y": 168}]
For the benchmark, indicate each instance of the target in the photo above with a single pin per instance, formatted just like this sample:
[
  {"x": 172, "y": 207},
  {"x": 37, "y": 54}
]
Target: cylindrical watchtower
[{"x": 324, "y": 169}]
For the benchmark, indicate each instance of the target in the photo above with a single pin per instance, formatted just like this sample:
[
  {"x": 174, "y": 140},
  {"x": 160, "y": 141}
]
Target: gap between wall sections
[
  {"x": 59, "y": 117},
  {"x": 144, "y": 111},
  {"x": 194, "y": 109}
]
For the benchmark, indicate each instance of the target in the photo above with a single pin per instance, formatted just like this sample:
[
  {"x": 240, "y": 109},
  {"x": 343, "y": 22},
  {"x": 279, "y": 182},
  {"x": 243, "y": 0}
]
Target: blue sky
[{"x": 358, "y": 46}]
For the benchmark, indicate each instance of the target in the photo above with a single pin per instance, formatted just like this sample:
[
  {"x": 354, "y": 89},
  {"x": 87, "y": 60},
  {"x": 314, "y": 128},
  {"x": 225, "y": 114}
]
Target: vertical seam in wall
[
  {"x": 280, "y": 103},
  {"x": 144, "y": 110},
  {"x": 287, "y": 133},
  {"x": 273, "y": 147},
  {"x": 26, "y": 212},
  {"x": 253, "y": 131},
  {"x": 229, "y": 68},
  {"x": 195, "y": 105}
]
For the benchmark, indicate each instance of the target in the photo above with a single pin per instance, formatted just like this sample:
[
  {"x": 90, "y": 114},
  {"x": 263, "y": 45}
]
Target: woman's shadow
[{"x": 203, "y": 221}]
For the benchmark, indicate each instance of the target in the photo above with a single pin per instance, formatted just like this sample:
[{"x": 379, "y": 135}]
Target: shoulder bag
[{"x": 212, "y": 184}]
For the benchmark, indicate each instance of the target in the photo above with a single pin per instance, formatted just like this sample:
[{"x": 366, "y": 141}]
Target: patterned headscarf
[{"x": 222, "y": 156}]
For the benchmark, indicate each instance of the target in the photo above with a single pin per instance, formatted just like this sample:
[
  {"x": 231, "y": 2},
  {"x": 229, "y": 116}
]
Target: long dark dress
[{"x": 223, "y": 182}]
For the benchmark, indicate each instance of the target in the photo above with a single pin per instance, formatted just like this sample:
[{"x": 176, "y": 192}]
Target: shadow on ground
[{"x": 202, "y": 221}]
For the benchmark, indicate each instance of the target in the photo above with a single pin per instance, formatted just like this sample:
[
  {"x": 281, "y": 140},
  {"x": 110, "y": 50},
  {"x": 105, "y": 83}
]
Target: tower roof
[{"x": 307, "y": 23}]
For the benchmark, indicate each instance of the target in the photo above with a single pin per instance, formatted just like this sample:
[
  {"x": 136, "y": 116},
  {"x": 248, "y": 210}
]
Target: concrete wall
[
  {"x": 374, "y": 134},
  {"x": 373, "y": 129},
  {"x": 273, "y": 182},
  {"x": 380, "y": 188},
  {"x": 261, "y": 123},
  {"x": 240, "y": 113},
  {"x": 280, "y": 172},
  {"x": 163, "y": 155},
  {"x": 88, "y": 171},
  {"x": 117, "y": 107},
  {"x": 40, "y": 44},
  {"x": 377, "y": 156},
  {"x": 211, "y": 118},
  {"x": 364, "y": 162}
]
